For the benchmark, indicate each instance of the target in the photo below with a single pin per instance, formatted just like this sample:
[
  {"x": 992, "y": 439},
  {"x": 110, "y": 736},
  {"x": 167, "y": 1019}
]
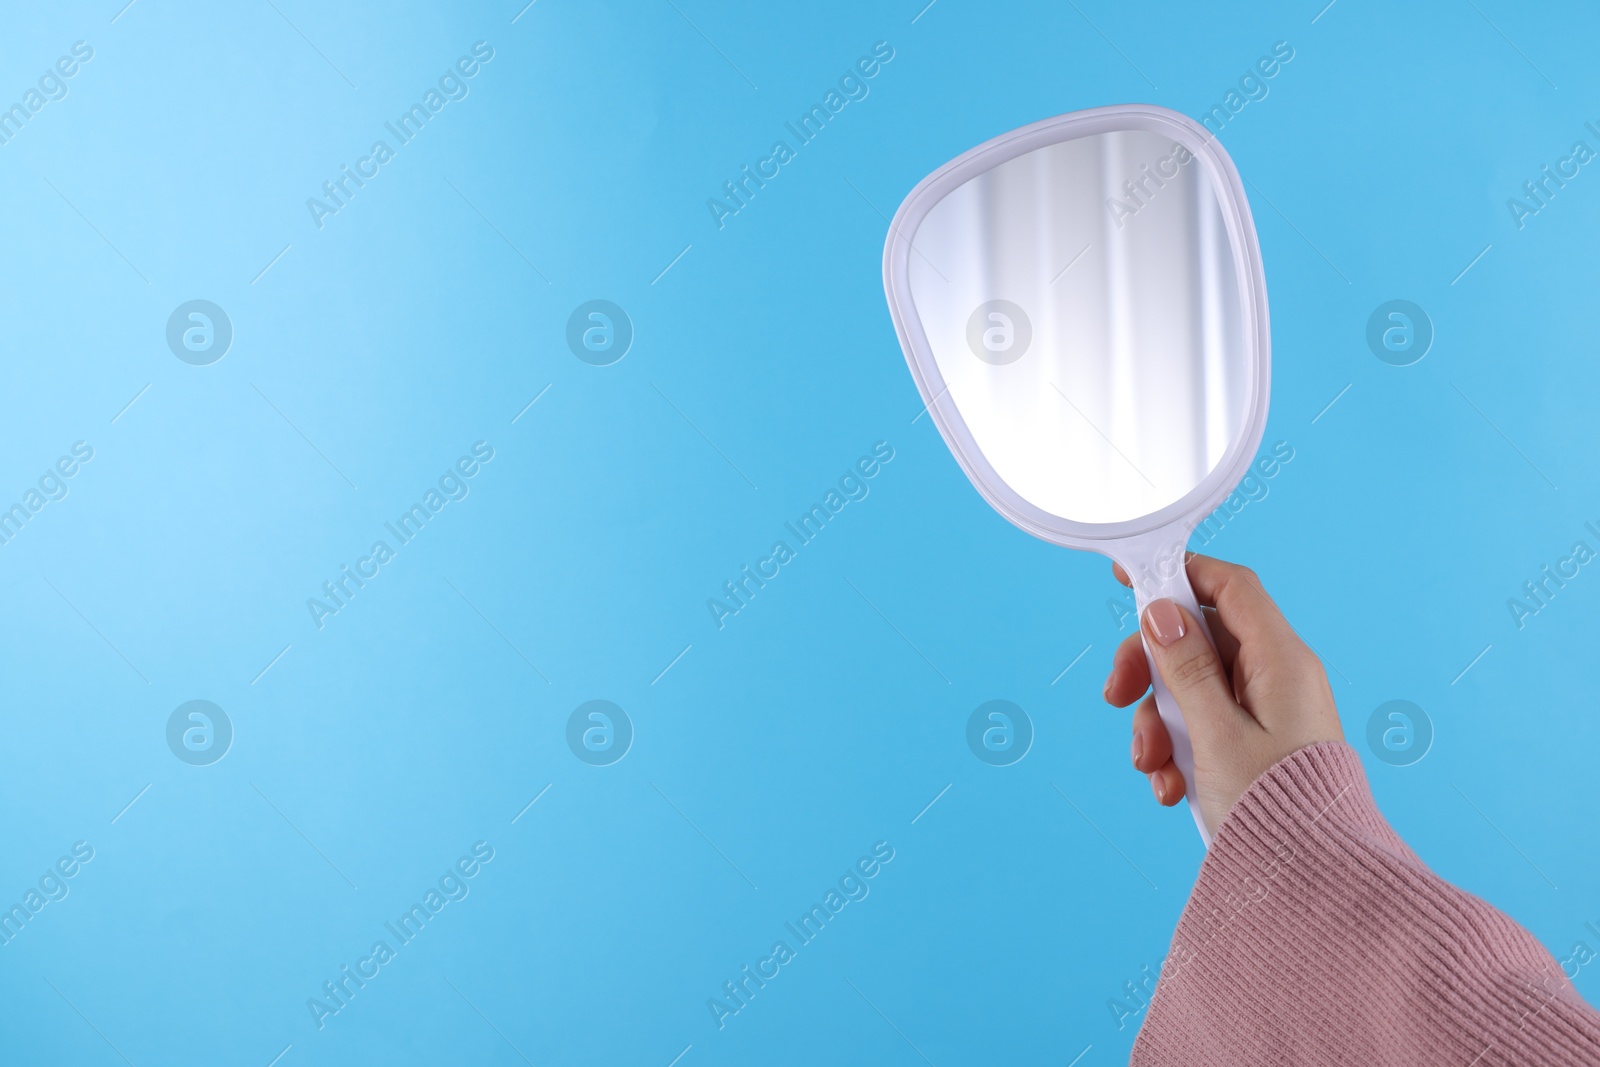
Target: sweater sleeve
[{"x": 1315, "y": 936}]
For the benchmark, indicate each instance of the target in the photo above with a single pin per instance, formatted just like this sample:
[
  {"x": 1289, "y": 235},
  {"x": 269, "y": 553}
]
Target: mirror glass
[{"x": 1083, "y": 304}]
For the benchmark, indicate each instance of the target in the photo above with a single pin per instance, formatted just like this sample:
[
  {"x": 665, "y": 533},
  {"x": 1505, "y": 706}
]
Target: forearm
[{"x": 1314, "y": 935}]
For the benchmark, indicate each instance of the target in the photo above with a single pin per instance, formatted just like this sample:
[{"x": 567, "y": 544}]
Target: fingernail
[
  {"x": 1166, "y": 622},
  {"x": 1159, "y": 786},
  {"x": 1138, "y": 746},
  {"x": 1106, "y": 692}
]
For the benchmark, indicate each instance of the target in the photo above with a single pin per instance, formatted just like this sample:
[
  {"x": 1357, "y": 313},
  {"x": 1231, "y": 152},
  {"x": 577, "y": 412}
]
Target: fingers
[
  {"x": 1236, "y": 605},
  {"x": 1151, "y": 748},
  {"x": 1129, "y": 677},
  {"x": 1191, "y": 669},
  {"x": 1152, "y": 753},
  {"x": 1167, "y": 785},
  {"x": 1241, "y": 601},
  {"x": 1130, "y": 673}
]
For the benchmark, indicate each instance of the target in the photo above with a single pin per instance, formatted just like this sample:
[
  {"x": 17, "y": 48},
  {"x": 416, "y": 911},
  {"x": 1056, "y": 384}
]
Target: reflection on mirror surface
[{"x": 1084, "y": 309}]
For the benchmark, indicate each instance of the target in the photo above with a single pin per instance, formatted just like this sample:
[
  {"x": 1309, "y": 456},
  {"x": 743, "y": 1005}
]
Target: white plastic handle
[{"x": 1156, "y": 567}]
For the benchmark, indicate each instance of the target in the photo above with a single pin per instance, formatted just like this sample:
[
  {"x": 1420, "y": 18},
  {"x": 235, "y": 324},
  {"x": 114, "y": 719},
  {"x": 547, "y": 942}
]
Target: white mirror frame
[{"x": 1150, "y": 548}]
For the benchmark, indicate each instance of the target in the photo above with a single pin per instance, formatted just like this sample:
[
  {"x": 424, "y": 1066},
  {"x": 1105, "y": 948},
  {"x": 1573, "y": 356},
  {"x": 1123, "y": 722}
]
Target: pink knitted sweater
[{"x": 1315, "y": 936}]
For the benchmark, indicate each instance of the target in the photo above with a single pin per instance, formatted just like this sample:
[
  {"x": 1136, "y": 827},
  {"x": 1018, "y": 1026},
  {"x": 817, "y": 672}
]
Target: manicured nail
[
  {"x": 1166, "y": 622},
  {"x": 1159, "y": 786},
  {"x": 1106, "y": 692},
  {"x": 1138, "y": 746}
]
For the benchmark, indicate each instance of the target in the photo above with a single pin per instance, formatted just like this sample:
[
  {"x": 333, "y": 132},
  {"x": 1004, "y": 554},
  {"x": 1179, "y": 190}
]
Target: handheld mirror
[{"x": 1082, "y": 305}]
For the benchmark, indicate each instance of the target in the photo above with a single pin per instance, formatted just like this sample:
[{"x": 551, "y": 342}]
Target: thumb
[{"x": 1190, "y": 667}]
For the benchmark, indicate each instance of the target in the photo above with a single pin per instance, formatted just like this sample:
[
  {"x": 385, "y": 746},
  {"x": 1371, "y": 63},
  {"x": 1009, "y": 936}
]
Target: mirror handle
[{"x": 1157, "y": 572}]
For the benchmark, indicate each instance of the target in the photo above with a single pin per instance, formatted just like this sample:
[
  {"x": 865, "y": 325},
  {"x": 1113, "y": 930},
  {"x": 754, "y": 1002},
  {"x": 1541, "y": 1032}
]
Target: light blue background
[{"x": 777, "y": 750}]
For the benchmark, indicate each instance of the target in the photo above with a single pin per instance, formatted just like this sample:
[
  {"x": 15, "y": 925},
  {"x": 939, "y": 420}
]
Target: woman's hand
[{"x": 1260, "y": 695}]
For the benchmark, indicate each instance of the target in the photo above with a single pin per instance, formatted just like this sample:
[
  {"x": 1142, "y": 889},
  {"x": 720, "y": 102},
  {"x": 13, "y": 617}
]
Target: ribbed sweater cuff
[{"x": 1314, "y": 935}]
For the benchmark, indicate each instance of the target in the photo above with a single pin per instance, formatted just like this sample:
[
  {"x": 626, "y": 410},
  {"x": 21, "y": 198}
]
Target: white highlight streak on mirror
[{"x": 1088, "y": 322}]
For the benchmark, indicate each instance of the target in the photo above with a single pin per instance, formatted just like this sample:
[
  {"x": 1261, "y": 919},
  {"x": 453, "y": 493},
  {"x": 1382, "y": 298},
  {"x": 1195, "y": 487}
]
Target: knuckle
[
  {"x": 1231, "y": 586},
  {"x": 1192, "y": 670}
]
